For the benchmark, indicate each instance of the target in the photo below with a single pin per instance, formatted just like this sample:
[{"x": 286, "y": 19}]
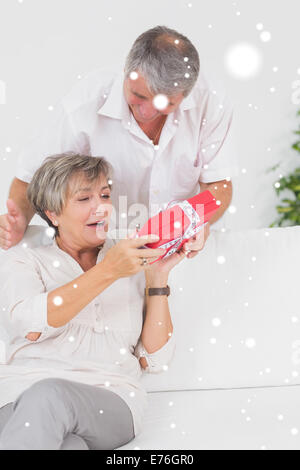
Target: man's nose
[{"x": 147, "y": 110}]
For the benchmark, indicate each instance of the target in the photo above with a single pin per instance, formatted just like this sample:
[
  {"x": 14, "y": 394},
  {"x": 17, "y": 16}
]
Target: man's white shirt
[{"x": 196, "y": 144}]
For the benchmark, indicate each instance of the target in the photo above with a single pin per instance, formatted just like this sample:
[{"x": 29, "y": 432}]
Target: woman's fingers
[
  {"x": 149, "y": 252},
  {"x": 149, "y": 262},
  {"x": 140, "y": 241}
]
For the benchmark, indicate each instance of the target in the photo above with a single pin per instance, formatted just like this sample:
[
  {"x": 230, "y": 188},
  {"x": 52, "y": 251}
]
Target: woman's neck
[{"x": 85, "y": 256}]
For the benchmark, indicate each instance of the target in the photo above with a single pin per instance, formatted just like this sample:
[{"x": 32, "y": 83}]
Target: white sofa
[{"x": 233, "y": 383}]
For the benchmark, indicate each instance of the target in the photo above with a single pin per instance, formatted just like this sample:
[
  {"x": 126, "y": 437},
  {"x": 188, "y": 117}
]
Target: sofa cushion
[
  {"x": 248, "y": 419},
  {"x": 236, "y": 312}
]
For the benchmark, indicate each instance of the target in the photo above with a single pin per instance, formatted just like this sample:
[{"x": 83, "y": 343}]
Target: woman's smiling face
[{"x": 87, "y": 203}]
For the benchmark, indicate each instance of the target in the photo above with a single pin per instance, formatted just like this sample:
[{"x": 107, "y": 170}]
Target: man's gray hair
[
  {"x": 49, "y": 188},
  {"x": 166, "y": 59}
]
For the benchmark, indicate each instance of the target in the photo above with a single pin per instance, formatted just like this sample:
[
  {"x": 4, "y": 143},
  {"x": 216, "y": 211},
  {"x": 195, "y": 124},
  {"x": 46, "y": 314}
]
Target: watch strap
[{"x": 158, "y": 291}]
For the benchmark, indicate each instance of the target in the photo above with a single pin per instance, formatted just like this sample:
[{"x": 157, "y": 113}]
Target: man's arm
[{"x": 222, "y": 191}]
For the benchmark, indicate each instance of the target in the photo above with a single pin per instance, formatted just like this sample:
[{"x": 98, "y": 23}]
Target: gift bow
[{"x": 192, "y": 229}]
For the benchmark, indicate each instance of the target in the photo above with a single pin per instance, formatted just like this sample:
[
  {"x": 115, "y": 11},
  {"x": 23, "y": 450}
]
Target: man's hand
[
  {"x": 33, "y": 336},
  {"x": 197, "y": 243},
  {"x": 12, "y": 226}
]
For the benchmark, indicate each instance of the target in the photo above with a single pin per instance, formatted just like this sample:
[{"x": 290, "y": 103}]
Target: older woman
[{"x": 73, "y": 310}]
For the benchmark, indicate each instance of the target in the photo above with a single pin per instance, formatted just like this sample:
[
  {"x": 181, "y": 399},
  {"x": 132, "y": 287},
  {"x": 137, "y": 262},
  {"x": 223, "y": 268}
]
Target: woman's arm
[
  {"x": 65, "y": 302},
  {"x": 157, "y": 328},
  {"x": 122, "y": 260},
  {"x": 31, "y": 311},
  {"x": 158, "y": 323}
]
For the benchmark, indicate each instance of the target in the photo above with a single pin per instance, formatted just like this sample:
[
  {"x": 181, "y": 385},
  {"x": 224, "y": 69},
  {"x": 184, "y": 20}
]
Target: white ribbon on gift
[{"x": 192, "y": 229}]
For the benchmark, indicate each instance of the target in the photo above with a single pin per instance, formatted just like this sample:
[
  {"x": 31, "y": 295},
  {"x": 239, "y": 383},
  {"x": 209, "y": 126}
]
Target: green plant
[{"x": 290, "y": 212}]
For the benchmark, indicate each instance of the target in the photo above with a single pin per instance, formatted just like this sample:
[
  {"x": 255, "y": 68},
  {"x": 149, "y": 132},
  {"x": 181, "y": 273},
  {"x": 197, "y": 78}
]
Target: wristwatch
[{"x": 158, "y": 291}]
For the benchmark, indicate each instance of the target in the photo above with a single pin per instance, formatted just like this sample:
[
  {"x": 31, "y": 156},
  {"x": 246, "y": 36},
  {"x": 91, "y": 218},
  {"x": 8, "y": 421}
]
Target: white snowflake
[{"x": 160, "y": 102}]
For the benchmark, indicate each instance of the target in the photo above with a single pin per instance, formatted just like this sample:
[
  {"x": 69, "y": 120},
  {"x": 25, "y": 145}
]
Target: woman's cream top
[{"x": 100, "y": 346}]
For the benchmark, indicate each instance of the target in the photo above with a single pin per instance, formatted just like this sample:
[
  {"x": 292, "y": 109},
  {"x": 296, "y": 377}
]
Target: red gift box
[{"x": 179, "y": 222}]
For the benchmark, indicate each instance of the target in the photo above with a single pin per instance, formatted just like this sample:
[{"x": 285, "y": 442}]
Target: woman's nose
[
  {"x": 100, "y": 212},
  {"x": 100, "y": 209},
  {"x": 97, "y": 206}
]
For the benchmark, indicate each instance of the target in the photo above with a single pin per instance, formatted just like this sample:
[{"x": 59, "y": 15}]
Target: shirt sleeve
[
  {"x": 218, "y": 150},
  {"x": 23, "y": 297},
  {"x": 56, "y": 136},
  {"x": 157, "y": 360}
]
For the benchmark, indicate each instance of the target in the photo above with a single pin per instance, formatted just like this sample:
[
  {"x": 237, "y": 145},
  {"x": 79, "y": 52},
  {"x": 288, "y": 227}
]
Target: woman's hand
[
  {"x": 125, "y": 258},
  {"x": 162, "y": 267}
]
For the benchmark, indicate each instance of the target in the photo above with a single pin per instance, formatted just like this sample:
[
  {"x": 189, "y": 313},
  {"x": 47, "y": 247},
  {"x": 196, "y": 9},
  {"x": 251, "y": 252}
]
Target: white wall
[{"x": 46, "y": 44}]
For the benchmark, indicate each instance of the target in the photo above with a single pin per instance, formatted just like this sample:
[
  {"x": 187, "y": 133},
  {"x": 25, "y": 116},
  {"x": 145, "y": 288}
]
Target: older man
[{"x": 166, "y": 133}]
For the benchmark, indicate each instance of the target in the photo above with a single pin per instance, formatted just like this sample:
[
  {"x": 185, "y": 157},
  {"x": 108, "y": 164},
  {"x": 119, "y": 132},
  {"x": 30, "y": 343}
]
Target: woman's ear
[{"x": 52, "y": 216}]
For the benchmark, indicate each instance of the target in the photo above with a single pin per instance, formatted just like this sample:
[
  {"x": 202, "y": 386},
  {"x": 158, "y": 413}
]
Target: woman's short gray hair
[
  {"x": 167, "y": 60},
  {"x": 49, "y": 188}
]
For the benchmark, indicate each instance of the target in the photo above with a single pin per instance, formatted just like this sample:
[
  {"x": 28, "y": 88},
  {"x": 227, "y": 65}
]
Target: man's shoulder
[
  {"x": 210, "y": 88},
  {"x": 209, "y": 83},
  {"x": 90, "y": 88}
]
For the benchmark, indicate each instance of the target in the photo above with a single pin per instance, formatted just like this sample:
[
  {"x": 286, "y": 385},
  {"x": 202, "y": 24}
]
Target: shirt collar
[
  {"x": 194, "y": 98},
  {"x": 116, "y": 106},
  {"x": 189, "y": 102}
]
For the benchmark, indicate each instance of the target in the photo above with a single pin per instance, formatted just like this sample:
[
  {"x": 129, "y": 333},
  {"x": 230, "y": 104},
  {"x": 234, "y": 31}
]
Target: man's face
[{"x": 140, "y": 100}]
